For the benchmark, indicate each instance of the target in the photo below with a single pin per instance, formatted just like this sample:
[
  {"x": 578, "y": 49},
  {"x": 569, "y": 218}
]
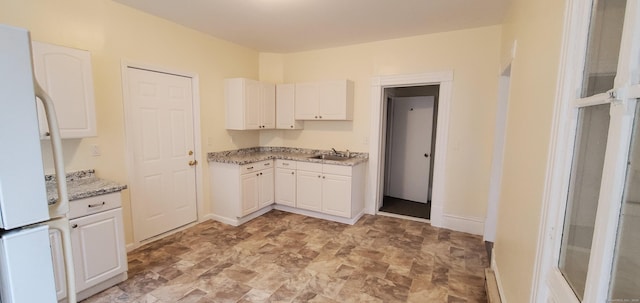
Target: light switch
[{"x": 95, "y": 150}]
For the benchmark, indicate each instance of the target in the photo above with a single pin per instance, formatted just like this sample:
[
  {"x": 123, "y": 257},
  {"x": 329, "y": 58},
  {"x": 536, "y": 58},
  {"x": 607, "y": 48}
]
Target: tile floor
[{"x": 283, "y": 257}]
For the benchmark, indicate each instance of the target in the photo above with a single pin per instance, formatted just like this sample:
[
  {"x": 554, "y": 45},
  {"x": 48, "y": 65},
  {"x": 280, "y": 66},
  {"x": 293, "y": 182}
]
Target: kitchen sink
[{"x": 330, "y": 157}]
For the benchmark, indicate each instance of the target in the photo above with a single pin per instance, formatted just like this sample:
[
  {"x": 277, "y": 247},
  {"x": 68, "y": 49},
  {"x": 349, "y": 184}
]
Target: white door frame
[
  {"x": 378, "y": 128},
  {"x": 128, "y": 117}
]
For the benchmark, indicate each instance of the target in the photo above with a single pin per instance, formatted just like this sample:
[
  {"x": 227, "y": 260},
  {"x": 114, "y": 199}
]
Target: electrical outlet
[{"x": 95, "y": 150}]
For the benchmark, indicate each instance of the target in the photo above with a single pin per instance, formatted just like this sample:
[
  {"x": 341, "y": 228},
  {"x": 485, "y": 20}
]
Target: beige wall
[
  {"x": 537, "y": 26},
  {"x": 472, "y": 55},
  {"x": 112, "y": 32}
]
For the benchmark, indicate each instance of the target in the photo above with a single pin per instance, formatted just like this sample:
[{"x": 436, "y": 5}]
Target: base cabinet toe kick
[{"x": 243, "y": 192}]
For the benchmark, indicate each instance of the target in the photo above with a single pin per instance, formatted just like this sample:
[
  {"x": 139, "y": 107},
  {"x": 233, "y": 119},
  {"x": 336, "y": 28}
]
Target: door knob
[{"x": 193, "y": 162}]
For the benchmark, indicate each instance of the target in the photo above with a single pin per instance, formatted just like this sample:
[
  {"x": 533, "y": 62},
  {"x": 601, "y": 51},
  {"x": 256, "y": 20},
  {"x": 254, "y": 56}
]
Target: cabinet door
[
  {"x": 336, "y": 195},
  {"x": 268, "y": 105},
  {"x": 251, "y": 104},
  {"x": 285, "y": 107},
  {"x": 66, "y": 74},
  {"x": 265, "y": 187},
  {"x": 335, "y": 100},
  {"x": 250, "y": 193},
  {"x": 306, "y": 101},
  {"x": 98, "y": 248},
  {"x": 309, "y": 190},
  {"x": 58, "y": 263},
  {"x": 285, "y": 187}
]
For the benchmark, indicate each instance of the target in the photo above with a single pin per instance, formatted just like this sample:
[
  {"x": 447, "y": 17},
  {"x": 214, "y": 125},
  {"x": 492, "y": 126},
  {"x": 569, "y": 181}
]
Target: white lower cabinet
[
  {"x": 97, "y": 243},
  {"x": 309, "y": 190},
  {"x": 331, "y": 189},
  {"x": 240, "y": 190},
  {"x": 336, "y": 195},
  {"x": 98, "y": 248},
  {"x": 243, "y": 192},
  {"x": 285, "y": 186}
]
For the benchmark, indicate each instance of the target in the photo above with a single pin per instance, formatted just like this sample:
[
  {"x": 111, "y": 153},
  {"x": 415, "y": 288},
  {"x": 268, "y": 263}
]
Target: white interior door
[
  {"x": 163, "y": 189},
  {"x": 410, "y": 159}
]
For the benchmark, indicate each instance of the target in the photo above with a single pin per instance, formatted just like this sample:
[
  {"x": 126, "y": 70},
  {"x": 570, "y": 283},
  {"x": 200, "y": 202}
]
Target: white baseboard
[
  {"x": 463, "y": 224},
  {"x": 240, "y": 221},
  {"x": 494, "y": 267},
  {"x": 314, "y": 214}
]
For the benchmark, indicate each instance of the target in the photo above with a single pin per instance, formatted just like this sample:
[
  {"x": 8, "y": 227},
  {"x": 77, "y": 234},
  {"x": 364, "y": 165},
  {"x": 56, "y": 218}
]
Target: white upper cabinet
[
  {"x": 285, "y": 107},
  {"x": 250, "y": 104},
  {"x": 66, "y": 74},
  {"x": 327, "y": 100}
]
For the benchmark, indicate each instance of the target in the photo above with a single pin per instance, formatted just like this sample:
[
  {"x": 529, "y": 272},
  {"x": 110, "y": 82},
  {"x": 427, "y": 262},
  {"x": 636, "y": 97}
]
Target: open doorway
[{"x": 409, "y": 148}]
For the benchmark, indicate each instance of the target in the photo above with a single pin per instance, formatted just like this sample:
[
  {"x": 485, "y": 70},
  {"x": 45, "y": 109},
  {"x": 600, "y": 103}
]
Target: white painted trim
[
  {"x": 243, "y": 220},
  {"x": 318, "y": 215},
  {"x": 199, "y": 155},
  {"x": 386, "y": 214},
  {"x": 497, "y": 162},
  {"x": 470, "y": 225},
  {"x": 376, "y": 149},
  {"x": 496, "y": 272}
]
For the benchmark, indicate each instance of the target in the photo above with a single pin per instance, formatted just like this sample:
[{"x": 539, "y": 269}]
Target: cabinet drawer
[
  {"x": 92, "y": 205},
  {"x": 251, "y": 167},
  {"x": 309, "y": 166},
  {"x": 342, "y": 170},
  {"x": 286, "y": 164}
]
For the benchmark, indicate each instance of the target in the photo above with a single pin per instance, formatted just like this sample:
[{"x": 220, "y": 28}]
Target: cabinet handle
[
  {"x": 292, "y": 173},
  {"x": 250, "y": 167},
  {"x": 97, "y": 204},
  {"x": 285, "y": 164},
  {"x": 74, "y": 225},
  {"x": 267, "y": 164}
]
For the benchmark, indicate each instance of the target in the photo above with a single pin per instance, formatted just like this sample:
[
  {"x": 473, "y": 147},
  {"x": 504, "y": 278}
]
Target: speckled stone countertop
[
  {"x": 81, "y": 184},
  {"x": 256, "y": 154}
]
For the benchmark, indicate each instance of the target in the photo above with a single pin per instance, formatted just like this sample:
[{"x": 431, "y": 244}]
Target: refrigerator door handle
[
  {"x": 62, "y": 225},
  {"x": 60, "y": 207}
]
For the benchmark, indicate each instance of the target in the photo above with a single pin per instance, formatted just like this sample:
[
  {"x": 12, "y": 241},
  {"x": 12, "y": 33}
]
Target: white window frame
[{"x": 548, "y": 284}]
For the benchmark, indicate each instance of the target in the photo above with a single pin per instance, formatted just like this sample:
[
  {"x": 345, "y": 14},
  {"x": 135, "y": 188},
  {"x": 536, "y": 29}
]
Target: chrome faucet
[{"x": 335, "y": 152}]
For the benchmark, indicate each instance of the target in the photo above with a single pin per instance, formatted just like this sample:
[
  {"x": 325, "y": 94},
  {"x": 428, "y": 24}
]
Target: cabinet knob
[
  {"x": 47, "y": 134},
  {"x": 291, "y": 126},
  {"x": 322, "y": 177},
  {"x": 193, "y": 162},
  {"x": 318, "y": 176},
  {"x": 292, "y": 173},
  {"x": 74, "y": 225},
  {"x": 316, "y": 117},
  {"x": 261, "y": 174},
  {"x": 320, "y": 117}
]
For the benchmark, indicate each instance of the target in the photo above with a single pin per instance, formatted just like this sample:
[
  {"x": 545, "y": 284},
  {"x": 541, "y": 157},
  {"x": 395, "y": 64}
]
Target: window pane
[
  {"x": 584, "y": 189},
  {"x": 625, "y": 278},
  {"x": 605, "y": 33}
]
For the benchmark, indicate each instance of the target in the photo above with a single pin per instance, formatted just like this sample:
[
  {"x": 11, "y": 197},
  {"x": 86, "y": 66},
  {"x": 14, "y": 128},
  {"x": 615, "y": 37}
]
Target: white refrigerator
[{"x": 26, "y": 219}]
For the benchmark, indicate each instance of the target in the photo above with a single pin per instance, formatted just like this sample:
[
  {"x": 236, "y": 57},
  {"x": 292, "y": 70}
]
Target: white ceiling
[{"x": 284, "y": 26}]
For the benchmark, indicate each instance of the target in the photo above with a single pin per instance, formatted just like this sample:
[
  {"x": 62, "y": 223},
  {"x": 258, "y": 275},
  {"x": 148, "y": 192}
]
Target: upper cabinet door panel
[
  {"x": 306, "y": 101},
  {"x": 285, "y": 107},
  {"x": 327, "y": 100},
  {"x": 66, "y": 74},
  {"x": 268, "y": 105}
]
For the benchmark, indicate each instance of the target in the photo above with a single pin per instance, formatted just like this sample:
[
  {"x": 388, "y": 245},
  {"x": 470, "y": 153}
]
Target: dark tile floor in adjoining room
[{"x": 283, "y": 257}]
